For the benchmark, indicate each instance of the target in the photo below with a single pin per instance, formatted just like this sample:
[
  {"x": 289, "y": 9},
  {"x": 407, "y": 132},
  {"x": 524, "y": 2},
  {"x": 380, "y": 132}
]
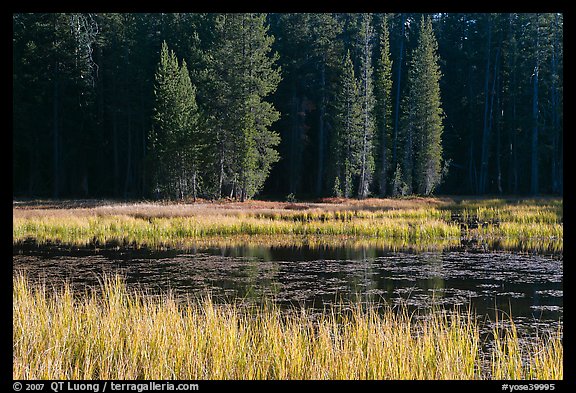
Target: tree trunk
[
  {"x": 291, "y": 146},
  {"x": 561, "y": 168},
  {"x": 472, "y": 169},
  {"x": 362, "y": 186},
  {"x": 512, "y": 151},
  {"x": 33, "y": 162},
  {"x": 347, "y": 176},
  {"x": 221, "y": 174},
  {"x": 56, "y": 135},
  {"x": 472, "y": 180},
  {"x": 408, "y": 169},
  {"x": 116, "y": 170},
  {"x": 383, "y": 170},
  {"x": 486, "y": 127},
  {"x": 243, "y": 187},
  {"x": 128, "y": 178},
  {"x": 397, "y": 107},
  {"x": 143, "y": 135},
  {"x": 100, "y": 108},
  {"x": 320, "y": 175},
  {"x": 363, "y": 189},
  {"x": 115, "y": 152},
  {"x": 293, "y": 141},
  {"x": 514, "y": 146},
  {"x": 498, "y": 134},
  {"x": 556, "y": 164},
  {"x": 194, "y": 174},
  {"x": 491, "y": 116},
  {"x": 534, "y": 155}
]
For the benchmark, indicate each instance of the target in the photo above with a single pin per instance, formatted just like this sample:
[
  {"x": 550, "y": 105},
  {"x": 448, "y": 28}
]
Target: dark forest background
[{"x": 84, "y": 98}]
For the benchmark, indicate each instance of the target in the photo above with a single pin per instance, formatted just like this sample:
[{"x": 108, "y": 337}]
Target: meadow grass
[
  {"x": 155, "y": 232},
  {"x": 517, "y": 213},
  {"x": 511, "y": 360},
  {"x": 527, "y": 225},
  {"x": 116, "y": 333}
]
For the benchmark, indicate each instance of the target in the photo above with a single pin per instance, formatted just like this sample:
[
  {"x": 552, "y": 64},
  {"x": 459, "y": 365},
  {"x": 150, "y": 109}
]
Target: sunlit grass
[
  {"x": 529, "y": 230},
  {"x": 512, "y": 360},
  {"x": 350, "y": 215},
  {"x": 155, "y": 232},
  {"x": 316, "y": 242},
  {"x": 520, "y": 214},
  {"x": 120, "y": 334},
  {"x": 527, "y": 225},
  {"x": 526, "y": 245}
]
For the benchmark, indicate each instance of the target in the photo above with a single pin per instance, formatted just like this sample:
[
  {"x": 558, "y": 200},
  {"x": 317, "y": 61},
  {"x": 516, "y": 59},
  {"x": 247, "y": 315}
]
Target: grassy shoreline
[
  {"x": 533, "y": 225},
  {"x": 122, "y": 334}
]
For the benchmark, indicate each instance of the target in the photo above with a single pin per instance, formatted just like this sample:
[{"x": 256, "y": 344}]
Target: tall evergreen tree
[
  {"x": 511, "y": 56},
  {"x": 423, "y": 118},
  {"x": 534, "y": 151},
  {"x": 399, "y": 67},
  {"x": 175, "y": 140},
  {"x": 383, "y": 109},
  {"x": 163, "y": 120},
  {"x": 243, "y": 75},
  {"x": 190, "y": 138},
  {"x": 556, "y": 104},
  {"x": 348, "y": 131},
  {"x": 366, "y": 90},
  {"x": 325, "y": 49}
]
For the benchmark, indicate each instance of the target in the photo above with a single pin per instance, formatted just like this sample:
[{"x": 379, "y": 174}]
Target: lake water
[{"x": 527, "y": 286}]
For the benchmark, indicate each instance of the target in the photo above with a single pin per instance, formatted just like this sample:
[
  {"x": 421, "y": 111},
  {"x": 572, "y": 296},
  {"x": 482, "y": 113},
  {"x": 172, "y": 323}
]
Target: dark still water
[{"x": 528, "y": 286}]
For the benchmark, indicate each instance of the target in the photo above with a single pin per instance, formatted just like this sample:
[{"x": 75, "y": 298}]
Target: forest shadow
[{"x": 53, "y": 204}]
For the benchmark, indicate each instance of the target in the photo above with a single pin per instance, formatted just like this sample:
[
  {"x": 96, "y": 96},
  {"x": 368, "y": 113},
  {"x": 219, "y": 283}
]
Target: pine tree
[
  {"x": 367, "y": 101},
  {"x": 325, "y": 45},
  {"x": 163, "y": 119},
  {"x": 347, "y": 138},
  {"x": 534, "y": 150},
  {"x": 556, "y": 104},
  {"x": 422, "y": 133},
  {"x": 383, "y": 110},
  {"x": 190, "y": 141},
  {"x": 175, "y": 141},
  {"x": 243, "y": 75},
  {"x": 400, "y": 66}
]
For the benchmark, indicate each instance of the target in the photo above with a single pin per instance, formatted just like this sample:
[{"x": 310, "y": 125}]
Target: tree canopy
[{"x": 140, "y": 105}]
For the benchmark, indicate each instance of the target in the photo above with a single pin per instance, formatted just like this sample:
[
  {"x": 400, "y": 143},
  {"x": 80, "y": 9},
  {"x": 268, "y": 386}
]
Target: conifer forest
[
  {"x": 287, "y": 196},
  {"x": 307, "y": 105}
]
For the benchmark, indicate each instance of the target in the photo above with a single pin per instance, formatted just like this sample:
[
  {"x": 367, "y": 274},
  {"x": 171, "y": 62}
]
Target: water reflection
[{"x": 528, "y": 286}]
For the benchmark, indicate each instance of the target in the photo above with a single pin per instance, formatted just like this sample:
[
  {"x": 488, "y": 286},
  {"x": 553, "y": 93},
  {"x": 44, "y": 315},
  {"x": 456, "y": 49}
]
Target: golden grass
[
  {"x": 509, "y": 357},
  {"x": 155, "y": 232},
  {"x": 122, "y": 334},
  {"x": 418, "y": 223}
]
